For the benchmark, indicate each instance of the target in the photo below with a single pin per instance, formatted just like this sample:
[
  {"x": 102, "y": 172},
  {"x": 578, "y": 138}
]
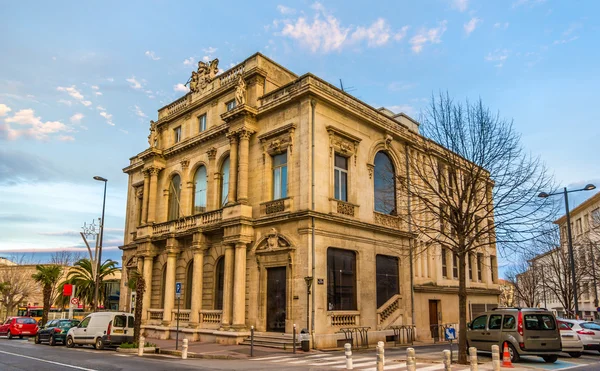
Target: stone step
[{"x": 272, "y": 340}]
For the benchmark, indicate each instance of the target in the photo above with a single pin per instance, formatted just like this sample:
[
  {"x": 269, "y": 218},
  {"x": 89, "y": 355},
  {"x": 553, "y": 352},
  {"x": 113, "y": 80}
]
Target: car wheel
[
  {"x": 37, "y": 339},
  {"x": 9, "y": 334},
  {"x": 99, "y": 344},
  {"x": 52, "y": 341},
  {"x": 514, "y": 356},
  {"x": 70, "y": 342},
  {"x": 550, "y": 359},
  {"x": 575, "y": 354}
]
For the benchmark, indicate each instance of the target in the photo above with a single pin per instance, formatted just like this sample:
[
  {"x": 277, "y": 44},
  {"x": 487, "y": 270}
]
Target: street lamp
[
  {"x": 99, "y": 262},
  {"x": 565, "y": 193}
]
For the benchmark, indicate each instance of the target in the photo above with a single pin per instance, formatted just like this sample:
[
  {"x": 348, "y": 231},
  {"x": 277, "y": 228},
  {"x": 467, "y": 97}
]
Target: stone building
[{"x": 260, "y": 193}]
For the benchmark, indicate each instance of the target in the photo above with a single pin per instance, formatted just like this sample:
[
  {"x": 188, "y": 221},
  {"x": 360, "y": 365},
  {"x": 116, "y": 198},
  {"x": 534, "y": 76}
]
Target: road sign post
[
  {"x": 450, "y": 334},
  {"x": 178, "y": 296}
]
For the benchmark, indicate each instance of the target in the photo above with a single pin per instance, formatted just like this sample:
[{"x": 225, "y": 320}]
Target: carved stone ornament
[
  {"x": 185, "y": 163},
  {"x": 240, "y": 91},
  {"x": 139, "y": 192},
  {"x": 272, "y": 241},
  {"x": 342, "y": 143},
  {"x": 205, "y": 74},
  {"x": 132, "y": 263},
  {"x": 153, "y": 136},
  {"x": 278, "y": 141}
]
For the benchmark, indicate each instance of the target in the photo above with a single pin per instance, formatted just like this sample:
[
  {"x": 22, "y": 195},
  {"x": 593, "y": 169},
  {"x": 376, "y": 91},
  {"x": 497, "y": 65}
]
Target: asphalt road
[{"x": 23, "y": 355}]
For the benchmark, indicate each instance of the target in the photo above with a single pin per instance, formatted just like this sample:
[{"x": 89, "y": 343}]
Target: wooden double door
[{"x": 276, "y": 299}]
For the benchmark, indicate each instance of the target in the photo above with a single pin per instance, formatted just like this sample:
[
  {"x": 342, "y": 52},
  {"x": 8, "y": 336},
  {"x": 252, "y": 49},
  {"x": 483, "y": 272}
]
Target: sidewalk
[{"x": 219, "y": 351}]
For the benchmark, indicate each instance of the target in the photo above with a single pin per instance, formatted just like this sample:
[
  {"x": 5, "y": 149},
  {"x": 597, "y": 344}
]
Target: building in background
[{"x": 271, "y": 199}]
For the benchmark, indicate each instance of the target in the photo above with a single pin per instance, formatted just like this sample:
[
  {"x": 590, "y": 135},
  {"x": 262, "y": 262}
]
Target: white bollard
[
  {"x": 411, "y": 364},
  {"x": 473, "y": 356},
  {"x": 141, "y": 344},
  {"x": 380, "y": 356},
  {"x": 496, "y": 357},
  {"x": 348, "y": 351},
  {"x": 184, "y": 349},
  {"x": 447, "y": 360}
]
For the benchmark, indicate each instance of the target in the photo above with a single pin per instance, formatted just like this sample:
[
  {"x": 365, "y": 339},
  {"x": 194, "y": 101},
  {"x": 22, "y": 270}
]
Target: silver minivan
[
  {"x": 526, "y": 331},
  {"x": 102, "y": 329}
]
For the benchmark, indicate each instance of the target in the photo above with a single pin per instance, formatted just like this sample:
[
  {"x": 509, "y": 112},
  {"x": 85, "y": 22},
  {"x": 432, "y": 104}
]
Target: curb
[{"x": 198, "y": 355}]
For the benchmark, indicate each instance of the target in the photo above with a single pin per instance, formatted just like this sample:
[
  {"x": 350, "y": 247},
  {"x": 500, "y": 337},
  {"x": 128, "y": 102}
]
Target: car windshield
[
  {"x": 539, "y": 322},
  {"x": 590, "y": 326},
  {"x": 26, "y": 321}
]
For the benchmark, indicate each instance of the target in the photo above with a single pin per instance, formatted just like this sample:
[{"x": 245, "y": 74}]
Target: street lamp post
[
  {"x": 99, "y": 258},
  {"x": 565, "y": 194}
]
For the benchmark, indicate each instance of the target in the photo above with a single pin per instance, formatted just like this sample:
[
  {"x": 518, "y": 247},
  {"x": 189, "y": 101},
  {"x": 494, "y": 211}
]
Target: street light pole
[
  {"x": 99, "y": 258},
  {"x": 565, "y": 194}
]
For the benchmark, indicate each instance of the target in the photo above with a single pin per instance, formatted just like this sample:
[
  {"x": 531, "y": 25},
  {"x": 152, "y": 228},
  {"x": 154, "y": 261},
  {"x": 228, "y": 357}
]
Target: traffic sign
[
  {"x": 74, "y": 301},
  {"x": 178, "y": 290},
  {"x": 450, "y": 333}
]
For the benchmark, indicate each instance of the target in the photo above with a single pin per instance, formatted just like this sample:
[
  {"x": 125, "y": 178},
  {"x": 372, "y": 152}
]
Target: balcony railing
[
  {"x": 344, "y": 318},
  {"x": 155, "y": 314},
  {"x": 184, "y": 315},
  {"x": 211, "y": 316},
  {"x": 188, "y": 222}
]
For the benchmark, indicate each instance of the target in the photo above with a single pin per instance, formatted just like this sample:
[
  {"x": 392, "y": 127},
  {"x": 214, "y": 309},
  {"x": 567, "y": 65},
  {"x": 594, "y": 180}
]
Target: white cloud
[
  {"x": 108, "y": 117},
  {"x": 138, "y": 111},
  {"x": 377, "y": 34},
  {"x": 134, "y": 83},
  {"x": 150, "y": 54},
  {"x": 76, "y": 94},
  {"x": 100, "y": 108},
  {"x": 123, "y": 131},
  {"x": 210, "y": 50},
  {"x": 566, "y": 36},
  {"x": 325, "y": 33},
  {"x": 189, "y": 61},
  {"x": 31, "y": 126},
  {"x": 95, "y": 87},
  {"x": 110, "y": 79},
  {"x": 180, "y": 87},
  {"x": 424, "y": 36},
  {"x": 4, "y": 109},
  {"x": 98, "y": 93},
  {"x": 499, "y": 56},
  {"x": 461, "y": 5},
  {"x": 404, "y": 108},
  {"x": 471, "y": 25},
  {"x": 76, "y": 118},
  {"x": 65, "y": 102},
  {"x": 501, "y": 25},
  {"x": 206, "y": 58},
  {"x": 66, "y": 138},
  {"x": 285, "y": 10}
]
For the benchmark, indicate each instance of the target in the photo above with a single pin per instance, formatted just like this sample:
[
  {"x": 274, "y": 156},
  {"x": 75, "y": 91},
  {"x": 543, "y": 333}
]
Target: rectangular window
[
  {"x": 386, "y": 278},
  {"x": 340, "y": 178},
  {"x": 230, "y": 105},
  {"x": 341, "y": 279},
  {"x": 444, "y": 266},
  {"x": 539, "y": 322},
  {"x": 280, "y": 176},
  {"x": 202, "y": 123},
  {"x": 586, "y": 222},
  {"x": 578, "y": 226},
  {"x": 493, "y": 268},
  {"x": 177, "y": 134},
  {"x": 454, "y": 265},
  {"x": 479, "y": 266},
  {"x": 595, "y": 217}
]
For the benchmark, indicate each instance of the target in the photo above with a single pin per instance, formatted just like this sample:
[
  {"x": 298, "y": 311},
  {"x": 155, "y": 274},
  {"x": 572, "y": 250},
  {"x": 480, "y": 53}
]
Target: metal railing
[
  {"x": 438, "y": 331},
  {"x": 403, "y": 334}
]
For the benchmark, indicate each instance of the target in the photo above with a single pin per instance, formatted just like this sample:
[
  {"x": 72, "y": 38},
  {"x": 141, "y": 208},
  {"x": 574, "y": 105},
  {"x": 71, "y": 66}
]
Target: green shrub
[{"x": 135, "y": 345}]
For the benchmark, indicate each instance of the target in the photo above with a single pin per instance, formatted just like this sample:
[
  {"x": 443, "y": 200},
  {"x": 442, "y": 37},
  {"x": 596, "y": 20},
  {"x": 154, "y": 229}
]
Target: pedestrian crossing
[{"x": 338, "y": 362}]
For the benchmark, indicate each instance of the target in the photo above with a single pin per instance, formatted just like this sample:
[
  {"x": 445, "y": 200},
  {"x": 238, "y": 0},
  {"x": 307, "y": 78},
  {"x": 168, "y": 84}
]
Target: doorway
[
  {"x": 276, "y": 299},
  {"x": 434, "y": 319}
]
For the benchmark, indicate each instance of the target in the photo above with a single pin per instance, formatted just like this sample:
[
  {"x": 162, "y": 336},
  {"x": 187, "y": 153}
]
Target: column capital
[
  {"x": 239, "y": 245},
  {"x": 212, "y": 153},
  {"x": 245, "y": 133},
  {"x": 233, "y": 137}
]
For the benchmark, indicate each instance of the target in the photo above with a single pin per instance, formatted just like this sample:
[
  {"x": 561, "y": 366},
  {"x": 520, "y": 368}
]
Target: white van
[{"x": 102, "y": 329}]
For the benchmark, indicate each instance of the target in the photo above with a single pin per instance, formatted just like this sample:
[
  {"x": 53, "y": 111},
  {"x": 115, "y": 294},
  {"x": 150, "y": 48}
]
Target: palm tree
[
  {"x": 82, "y": 276},
  {"x": 47, "y": 276}
]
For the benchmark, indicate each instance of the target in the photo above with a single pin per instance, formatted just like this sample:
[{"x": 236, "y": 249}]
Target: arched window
[
  {"x": 200, "y": 185},
  {"x": 174, "y": 197},
  {"x": 188, "y": 285},
  {"x": 384, "y": 184},
  {"x": 225, "y": 182},
  {"x": 219, "y": 283}
]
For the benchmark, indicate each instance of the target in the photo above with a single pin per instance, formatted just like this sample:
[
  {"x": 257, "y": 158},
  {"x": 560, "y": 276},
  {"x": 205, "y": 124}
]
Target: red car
[{"x": 19, "y": 326}]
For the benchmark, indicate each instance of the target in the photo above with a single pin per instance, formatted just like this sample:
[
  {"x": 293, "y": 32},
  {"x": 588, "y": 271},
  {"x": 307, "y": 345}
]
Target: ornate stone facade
[{"x": 261, "y": 212}]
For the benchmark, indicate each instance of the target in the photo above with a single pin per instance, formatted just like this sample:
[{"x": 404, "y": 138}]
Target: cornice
[
  {"x": 196, "y": 140},
  {"x": 454, "y": 290}
]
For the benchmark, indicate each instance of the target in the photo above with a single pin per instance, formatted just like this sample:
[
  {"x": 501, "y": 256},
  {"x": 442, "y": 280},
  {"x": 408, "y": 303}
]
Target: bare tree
[
  {"x": 65, "y": 258},
  {"x": 471, "y": 186},
  {"x": 16, "y": 287},
  {"x": 526, "y": 281}
]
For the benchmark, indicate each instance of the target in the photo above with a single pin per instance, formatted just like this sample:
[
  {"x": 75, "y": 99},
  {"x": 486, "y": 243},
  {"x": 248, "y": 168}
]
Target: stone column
[
  {"x": 233, "y": 167},
  {"x": 148, "y": 263},
  {"x": 137, "y": 214},
  {"x": 145, "y": 197},
  {"x": 169, "y": 286},
  {"x": 244, "y": 153},
  {"x": 212, "y": 180},
  {"x": 239, "y": 286},
  {"x": 152, "y": 195},
  {"x": 186, "y": 190},
  {"x": 197, "y": 279},
  {"x": 227, "y": 287}
]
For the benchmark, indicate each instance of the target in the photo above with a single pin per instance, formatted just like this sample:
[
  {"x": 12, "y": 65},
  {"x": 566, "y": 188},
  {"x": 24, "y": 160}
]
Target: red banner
[{"x": 67, "y": 289}]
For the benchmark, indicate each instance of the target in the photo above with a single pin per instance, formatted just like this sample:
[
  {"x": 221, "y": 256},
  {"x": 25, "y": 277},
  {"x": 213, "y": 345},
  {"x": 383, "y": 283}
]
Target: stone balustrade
[
  {"x": 211, "y": 316},
  {"x": 188, "y": 222},
  {"x": 183, "y": 314},
  {"x": 387, "y": 309},
  {"x": 155, "y": 314},
  {"x": 344, "y": 318}
]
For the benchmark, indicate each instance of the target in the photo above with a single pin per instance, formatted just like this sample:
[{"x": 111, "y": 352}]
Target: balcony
[
  {"x": 343, "y": 208},
  {"x": 188, "y": 222},
  {"x": 274, "y": 207}
]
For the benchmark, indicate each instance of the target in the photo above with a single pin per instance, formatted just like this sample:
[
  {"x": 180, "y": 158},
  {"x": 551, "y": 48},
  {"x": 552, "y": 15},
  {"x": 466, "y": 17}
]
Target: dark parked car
[
  {"x": 55, "y": 331},
  {"x": 19, "y": 326}
]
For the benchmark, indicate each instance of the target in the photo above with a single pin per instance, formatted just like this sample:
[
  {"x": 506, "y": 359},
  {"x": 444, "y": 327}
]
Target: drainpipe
[
  {"x": 313, "y": 103},
  {"x": 410, "y": 243}
]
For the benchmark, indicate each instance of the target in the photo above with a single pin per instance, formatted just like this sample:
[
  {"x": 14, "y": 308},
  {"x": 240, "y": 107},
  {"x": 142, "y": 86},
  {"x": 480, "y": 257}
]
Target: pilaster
[
  {"x": 212, "y": 180},
  {"x": 239, "y": 287},
  {"x": 227, "y": 288},
  {"x": 198, "y": 247},
  {"x": 169, "y": 288},
  {"x": 152, "y": 196},
  {"x": 187, "y": 188},
  {"x": 147, "y": 267},
  {"x": 233, "y": 167},
  {"x": 145, "y": 196},
  {"x": 243, "y": 165}
]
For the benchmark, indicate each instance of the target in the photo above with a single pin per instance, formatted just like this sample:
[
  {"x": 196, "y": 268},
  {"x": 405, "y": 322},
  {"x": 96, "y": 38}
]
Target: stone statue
[
  {"x": 240, "y": 91},
  {"x": 153, "y": 138},
  {"x": 206, "y": 73},
  {"x": 194, "y": 82}
]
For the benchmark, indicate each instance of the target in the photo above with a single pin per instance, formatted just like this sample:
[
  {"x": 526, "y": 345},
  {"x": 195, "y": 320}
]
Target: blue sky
[{"x": 79, "y": 82}]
